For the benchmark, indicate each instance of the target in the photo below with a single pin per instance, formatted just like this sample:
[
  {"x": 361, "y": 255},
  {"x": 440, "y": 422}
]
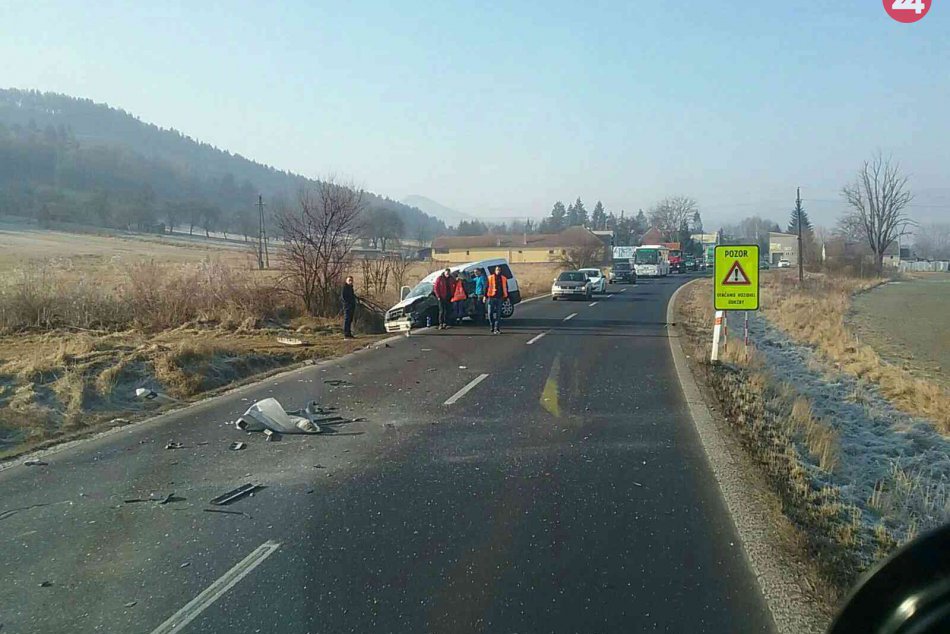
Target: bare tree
[
  {"x": 581, "y": 257},
  {"x": 319, "y": 234},
  {"x": 672, "y": 214},
  {"x": 400, "y": 268},
  {"x": 376, "y": 272},
  {"x": 850, "y": 228},
  {"x": 878, "y": 197}
]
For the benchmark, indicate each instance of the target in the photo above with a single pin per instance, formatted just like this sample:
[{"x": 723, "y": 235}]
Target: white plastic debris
[{"x": 269, "y": 414}]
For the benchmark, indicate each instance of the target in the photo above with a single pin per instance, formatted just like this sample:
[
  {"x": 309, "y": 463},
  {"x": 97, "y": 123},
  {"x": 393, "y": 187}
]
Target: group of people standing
[
  {"x": 486, "y": 292},
  {"x": 454, "y": 291}
]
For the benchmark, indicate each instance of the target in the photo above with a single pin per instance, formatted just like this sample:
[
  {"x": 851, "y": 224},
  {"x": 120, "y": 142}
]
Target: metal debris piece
[
  {"x": 147, "y": 394},
  {"x": 236, "y": 494},
  {"x": 271, "y": 435},
  {"x": 185, "y": 565},
  {"x": 226, "y": 512},
  {"x": 237, "y": 446},
  {"x": 338, "y": 382},
  {"x": 290, "y": 341},
  {"x": 173, "y": 445},
  {"x": 33, "y": 462},
  {"x": 463, "y": 367},
  {"x": 46, "y": 584},
  {"x": 171, "y": 497},
  {"x": 131, "y": 604}
]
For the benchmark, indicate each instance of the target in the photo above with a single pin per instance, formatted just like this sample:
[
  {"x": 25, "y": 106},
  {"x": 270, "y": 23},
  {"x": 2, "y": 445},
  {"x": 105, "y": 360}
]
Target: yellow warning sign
[{"x": 736, "y": 277}]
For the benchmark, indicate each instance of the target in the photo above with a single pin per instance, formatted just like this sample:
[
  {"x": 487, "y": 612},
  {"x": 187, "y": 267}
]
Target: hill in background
[
  {"x": 447, "y": 215},
  {"x": 72, "y": 160}
]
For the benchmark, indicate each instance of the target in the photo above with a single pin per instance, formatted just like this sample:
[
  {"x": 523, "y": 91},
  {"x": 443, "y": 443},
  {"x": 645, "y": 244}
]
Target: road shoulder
[{"x": 770, "y": 542}]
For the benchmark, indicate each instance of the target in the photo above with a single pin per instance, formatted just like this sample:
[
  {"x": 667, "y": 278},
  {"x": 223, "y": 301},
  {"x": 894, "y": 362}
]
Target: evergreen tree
[
  {"x": 697, "y": 223},
  {"x": 799, "y": 215},
  {"x": 556, "y": 221},
  {"x": 577, "y": 214},
  {"x": 598, "y": 217}
]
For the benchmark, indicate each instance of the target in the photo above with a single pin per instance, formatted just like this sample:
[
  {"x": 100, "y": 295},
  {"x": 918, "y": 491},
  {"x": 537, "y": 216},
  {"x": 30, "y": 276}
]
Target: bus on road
[{"x": 652, "y": 260}]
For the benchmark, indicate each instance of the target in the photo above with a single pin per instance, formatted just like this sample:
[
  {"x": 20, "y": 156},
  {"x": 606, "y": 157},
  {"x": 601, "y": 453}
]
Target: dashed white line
[
  {"x": 623, "y": 290},
  {"x": 592, "y": 304},
  {"x": 609, "y": 296},
  {"x": 535, "y": 338},
  {"x": 571, "y": 316},
  {"x": 465, "y": 390},
  {"x": 177, "y": 621}
]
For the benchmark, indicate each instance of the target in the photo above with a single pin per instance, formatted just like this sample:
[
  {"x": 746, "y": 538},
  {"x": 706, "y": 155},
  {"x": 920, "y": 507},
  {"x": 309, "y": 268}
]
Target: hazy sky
[{"x": 500, "y": 109}]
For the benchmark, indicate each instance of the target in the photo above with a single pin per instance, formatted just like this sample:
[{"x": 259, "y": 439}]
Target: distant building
[
  {"x": 705, "y": 239},
  {"x": 538, "y": 247},
  {"x": 606, "y": 236},
  {"x": 783, "y": 246},
  {"x": 839, "y": 251},
  {"x": 652, "y": 236}
]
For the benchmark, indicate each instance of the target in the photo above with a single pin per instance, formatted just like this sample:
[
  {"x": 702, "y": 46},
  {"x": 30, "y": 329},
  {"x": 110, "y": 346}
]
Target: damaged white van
[{"x": 420, "y": 308}]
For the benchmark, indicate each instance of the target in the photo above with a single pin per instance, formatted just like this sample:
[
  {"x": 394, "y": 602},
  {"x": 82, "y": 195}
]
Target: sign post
[{"x": 735, "y": 284}]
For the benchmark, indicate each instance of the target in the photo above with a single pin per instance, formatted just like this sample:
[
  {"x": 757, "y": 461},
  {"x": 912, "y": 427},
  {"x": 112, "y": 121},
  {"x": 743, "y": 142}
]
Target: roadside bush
[{"x": 153, "y": 297}]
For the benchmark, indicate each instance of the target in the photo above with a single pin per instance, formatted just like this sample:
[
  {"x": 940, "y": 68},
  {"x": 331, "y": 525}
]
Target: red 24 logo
[{"x": 907, "y": 10}]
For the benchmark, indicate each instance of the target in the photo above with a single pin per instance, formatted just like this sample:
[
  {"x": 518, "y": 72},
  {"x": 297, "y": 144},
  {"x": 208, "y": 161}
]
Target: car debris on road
[
  {"x": 270, "y": 417},
  {"x": 33, "y": 462},
  {"x": 236, "y": 494}
]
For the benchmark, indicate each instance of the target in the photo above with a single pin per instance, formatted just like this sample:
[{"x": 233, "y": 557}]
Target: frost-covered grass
[
  {"x": 857, "y": 474},
  {"x": 883, "y": 455},
  {"x": 816, "y": 315}
]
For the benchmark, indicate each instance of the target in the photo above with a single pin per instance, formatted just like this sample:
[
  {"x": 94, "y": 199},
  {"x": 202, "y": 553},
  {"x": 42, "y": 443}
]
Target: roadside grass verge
[
  {"x": 816, "y": 315},
  {"x": 73, "y": 352},
  {"x": 815, "y": 472}
]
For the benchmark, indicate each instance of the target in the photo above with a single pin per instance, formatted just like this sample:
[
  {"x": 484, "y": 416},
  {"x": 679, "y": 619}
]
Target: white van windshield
[{"x": 421, "y": 290}]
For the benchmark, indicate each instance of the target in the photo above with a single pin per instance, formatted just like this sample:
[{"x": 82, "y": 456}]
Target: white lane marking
[
  {"x": 592, "y": 304},
  {"x": 535, "y": 338},
  {"x": 623, "y": 290},
  {"x": 465, "y": 390},
  {"x": 535, "y": 298},
  {"x": 609, "y": 296},
  {"x": 571, "y": 316},
  {"x": 177, "y": 621}
]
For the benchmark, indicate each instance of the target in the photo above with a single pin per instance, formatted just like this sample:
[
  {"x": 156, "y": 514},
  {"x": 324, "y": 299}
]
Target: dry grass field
[
  {"x": 86, "y": 318},
  {"x": 907, "y": 322}
]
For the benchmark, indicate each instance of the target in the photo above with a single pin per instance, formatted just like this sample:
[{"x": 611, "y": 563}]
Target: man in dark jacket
[
  {"x": 348, "y": 299},
  {"x": 442, "y": 289}
]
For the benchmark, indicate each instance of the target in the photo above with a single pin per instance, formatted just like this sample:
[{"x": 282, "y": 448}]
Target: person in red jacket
[
  {"x": 497, "y": 292},
  {"x": 459, "y": 296},
  {"x": 443, "y": 289}
]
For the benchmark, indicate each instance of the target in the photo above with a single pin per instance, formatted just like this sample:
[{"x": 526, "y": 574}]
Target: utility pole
[
  {"x": 263, "y": 261},
  {"x": 798, "y": 219}
]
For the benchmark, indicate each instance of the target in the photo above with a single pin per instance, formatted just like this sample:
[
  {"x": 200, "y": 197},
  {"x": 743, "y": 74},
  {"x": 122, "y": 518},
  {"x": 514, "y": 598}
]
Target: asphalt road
[{"x": 567, "y": 491}]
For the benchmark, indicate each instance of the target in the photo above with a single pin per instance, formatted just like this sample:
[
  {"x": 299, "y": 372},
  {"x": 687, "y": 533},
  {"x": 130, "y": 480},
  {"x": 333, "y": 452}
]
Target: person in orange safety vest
[{"x": 497, "y": 293}]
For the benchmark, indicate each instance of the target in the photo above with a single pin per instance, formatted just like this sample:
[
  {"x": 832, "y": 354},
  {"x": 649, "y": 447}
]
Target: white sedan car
[{"x": 598, "y": 280}]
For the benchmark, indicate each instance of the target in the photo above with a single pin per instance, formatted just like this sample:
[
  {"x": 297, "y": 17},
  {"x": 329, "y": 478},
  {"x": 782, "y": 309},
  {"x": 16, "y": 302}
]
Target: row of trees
[{"x": 876, "y": 217}]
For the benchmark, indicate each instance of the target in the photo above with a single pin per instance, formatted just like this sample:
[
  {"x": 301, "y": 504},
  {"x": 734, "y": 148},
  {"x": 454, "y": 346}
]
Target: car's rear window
[{"x": 571, "y": 276}]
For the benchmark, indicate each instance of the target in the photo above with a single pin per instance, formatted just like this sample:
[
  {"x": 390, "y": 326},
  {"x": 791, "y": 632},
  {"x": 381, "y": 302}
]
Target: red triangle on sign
[{"x": 736, "y": 276}]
